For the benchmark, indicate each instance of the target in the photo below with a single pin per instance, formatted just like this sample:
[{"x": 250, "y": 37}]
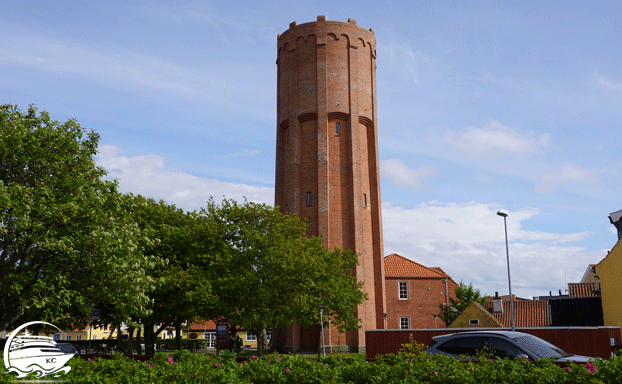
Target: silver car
[{"x": 501, "y": 344}]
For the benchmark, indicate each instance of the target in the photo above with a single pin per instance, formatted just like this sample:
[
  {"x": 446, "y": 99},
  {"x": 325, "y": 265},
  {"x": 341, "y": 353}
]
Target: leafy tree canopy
[
  {"x": 266, "y": 272},
  {"x": 465, "y": 295},
  {"x": 185, "y": 286},
  {"x": 65, "y": 240}
]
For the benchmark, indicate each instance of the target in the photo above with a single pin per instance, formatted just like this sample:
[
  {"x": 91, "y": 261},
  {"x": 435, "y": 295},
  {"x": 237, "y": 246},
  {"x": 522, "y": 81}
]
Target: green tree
[
  {"x": 185, "y": 286},
  {"x": 265, "y": 272},
  {"x": 465, "y": 295},
  {"x": 65, "y": 241}
]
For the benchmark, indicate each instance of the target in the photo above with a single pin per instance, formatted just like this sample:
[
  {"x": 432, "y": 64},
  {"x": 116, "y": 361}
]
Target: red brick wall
[
  {"x": 424, "y": 297},
  {"x": 326, "y": 74}
]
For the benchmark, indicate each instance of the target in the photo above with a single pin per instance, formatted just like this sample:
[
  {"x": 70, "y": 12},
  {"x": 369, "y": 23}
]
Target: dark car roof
[{"x": 506, "y": 334}]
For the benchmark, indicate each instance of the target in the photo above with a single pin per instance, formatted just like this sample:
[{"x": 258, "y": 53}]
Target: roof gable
[{"x": 475, "y": 311}]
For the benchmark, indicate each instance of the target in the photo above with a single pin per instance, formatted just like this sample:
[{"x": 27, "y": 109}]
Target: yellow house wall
[{"x": 609, "y": 270}]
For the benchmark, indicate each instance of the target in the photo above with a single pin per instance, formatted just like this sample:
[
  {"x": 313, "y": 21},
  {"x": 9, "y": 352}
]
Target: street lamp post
[{"x": 507, "y": 252}]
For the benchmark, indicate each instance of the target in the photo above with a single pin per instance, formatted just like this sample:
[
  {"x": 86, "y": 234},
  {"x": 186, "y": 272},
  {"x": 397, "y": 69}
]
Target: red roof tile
[
  {"x": 582, "y": 289},
  {"x": 399, "y": 266},
  {"x": 527, "y": 313},
  {"x": 198, "y": 326}
]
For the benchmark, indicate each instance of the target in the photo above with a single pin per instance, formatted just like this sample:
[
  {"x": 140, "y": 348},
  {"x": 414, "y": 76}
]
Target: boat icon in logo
[{"x": 28, "y": 354}]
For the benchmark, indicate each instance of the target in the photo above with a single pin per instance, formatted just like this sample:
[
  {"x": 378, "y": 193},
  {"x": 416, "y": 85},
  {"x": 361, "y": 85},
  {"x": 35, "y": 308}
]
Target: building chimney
[
  {"x": 616, "y": 220},
  {"x": 497, "y": 304}
]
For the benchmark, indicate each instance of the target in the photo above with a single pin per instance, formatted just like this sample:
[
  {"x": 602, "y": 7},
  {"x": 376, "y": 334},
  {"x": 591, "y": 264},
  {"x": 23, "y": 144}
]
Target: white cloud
[
  {"x": 203, "y": 16},
  {"x": 400, "y": 174},
  {"x": 149, "y": 176},
  {"x": 402, "y": 56},
  {"x": 612, "y": 230},
  {"x": 244, "y": 152},
  {"x": 608, "y": 84},
  {"x": 495, "y": 138},
  {"x": 468, "y": 241},
  {"x": 568, "y": 174},
  {"x": 234, "y": 84}
]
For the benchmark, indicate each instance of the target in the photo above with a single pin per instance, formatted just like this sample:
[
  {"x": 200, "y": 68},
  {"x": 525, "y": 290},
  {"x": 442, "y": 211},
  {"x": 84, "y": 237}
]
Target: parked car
[
  {"x": 67, "y": 348},
  {"x": 501, "y": 344}
]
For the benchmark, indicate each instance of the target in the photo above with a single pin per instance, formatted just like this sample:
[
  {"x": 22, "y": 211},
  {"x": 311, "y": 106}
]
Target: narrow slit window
[
  {"x": 337, "y": 129},
  {"x": 364, "y": 200},
  {"x": 309, "y": 199}
]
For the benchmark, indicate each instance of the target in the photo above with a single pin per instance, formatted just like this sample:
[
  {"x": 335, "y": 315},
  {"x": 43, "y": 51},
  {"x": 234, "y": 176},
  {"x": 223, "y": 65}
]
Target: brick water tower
[{"x": 327, "y": 157}]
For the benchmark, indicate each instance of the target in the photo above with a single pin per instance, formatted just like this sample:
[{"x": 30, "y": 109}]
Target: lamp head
[{"x": 502, "y": 213}]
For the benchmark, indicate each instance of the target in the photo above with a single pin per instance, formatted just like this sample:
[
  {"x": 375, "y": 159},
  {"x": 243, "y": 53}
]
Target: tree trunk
[
  {"x": 178, "y": 336},
  {"x": 119, "y": 341},
  {"x": 261, "y": 339},
  {"x": 138, "y": 346},
  {"x": 149, "y": 337},
  {"x": 130, "y": 339}
]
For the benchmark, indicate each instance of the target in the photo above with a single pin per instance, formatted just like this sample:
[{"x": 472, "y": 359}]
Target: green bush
[{"x": 408, "y": 366}]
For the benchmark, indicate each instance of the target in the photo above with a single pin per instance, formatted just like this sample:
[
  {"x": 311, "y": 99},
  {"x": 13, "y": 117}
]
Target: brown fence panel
[{"x": 587, "y": 341}]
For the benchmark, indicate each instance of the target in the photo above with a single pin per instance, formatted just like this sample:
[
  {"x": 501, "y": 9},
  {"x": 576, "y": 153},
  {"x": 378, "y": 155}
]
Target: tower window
[
  {"x": 364, "y": 200},
  {"x": 309, "y": 199},
  {"x": 337, "y": 129}
]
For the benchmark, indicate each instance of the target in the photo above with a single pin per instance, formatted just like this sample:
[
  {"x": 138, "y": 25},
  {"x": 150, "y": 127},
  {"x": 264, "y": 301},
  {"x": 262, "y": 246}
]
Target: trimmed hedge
[
  {"x": 110, "y": 345},
  {"x": 409, "y": 366}
]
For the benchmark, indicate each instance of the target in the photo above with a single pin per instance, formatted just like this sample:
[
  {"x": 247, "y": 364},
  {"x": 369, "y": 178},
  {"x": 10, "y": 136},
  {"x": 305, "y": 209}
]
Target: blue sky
[{"x": 481, "y": 106}]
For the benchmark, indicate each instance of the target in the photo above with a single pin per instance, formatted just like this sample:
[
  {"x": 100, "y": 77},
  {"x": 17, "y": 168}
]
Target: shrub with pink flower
[{"x": 591, "y": 367}]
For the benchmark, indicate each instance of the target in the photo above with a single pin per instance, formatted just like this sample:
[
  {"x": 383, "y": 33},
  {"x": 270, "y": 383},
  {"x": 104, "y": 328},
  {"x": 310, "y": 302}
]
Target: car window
[
  {"x": 503, "y": 349},
  {"x": 540, "y": 347},
  {"x": 67, "y": 348},
  {"x": 463, "y": 345}
]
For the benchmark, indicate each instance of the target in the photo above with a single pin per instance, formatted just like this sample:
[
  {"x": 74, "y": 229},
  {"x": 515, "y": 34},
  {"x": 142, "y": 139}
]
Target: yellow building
[
  {"x": 475, "y": 316},
  {"x": 73, "y": 335},
  {"x": 207, "y": 331},
  {"x": 609, "y": 271}
]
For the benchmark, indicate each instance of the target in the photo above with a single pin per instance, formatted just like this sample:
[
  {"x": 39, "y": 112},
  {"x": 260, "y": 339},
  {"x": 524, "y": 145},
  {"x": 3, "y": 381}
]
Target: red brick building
[
  {"x": 327, "y": 156},
  {"x": 414, "y": 293}
]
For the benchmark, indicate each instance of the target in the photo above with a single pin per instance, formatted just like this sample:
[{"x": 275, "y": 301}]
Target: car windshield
[{"x": 540, "y": 347}]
